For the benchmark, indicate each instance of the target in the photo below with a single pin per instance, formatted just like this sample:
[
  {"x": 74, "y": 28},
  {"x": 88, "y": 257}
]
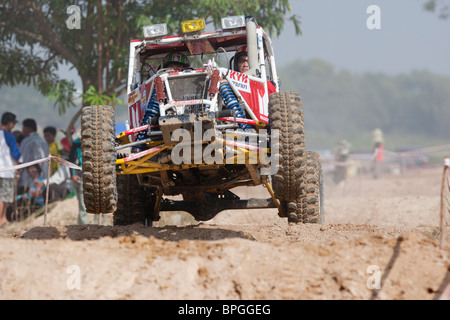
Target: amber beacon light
[{"x": 193, "y": 25}]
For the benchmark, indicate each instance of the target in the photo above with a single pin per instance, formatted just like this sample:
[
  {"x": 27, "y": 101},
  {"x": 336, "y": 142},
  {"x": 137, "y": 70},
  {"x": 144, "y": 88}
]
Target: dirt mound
[{"x": 380, "y": 241}]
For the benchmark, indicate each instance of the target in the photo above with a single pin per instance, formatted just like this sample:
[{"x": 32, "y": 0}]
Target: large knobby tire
[
  {"x": 99, "y": 159},
  {"x": 286, "y": 116},
  {"x": 135, "y": 203},
  {"x": 308, "y": 208}
]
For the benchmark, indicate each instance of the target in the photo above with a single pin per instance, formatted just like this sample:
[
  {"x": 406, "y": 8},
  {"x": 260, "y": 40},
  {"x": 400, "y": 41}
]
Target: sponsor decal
[
  {"x": 252, "y": 92},
  {"x": 143, "y": 93},
  {"x": 240, "y": 81},
  {"x": 133, "y": 96}
]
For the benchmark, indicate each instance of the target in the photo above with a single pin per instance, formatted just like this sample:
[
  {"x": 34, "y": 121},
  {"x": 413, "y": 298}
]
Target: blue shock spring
[
  {"x": 231, "y": 103},
  {"x": 152, "y": 110}
]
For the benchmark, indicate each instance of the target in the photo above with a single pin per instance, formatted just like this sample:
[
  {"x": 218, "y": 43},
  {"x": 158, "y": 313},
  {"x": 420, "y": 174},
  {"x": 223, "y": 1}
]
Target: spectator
[
  {"x": 75, "y": 157},
  {"x": 341, "y": 156},
  {"x": 60, "y": 184},
  {"x": 65, "y": 142},
  {"x": 378, "y": 153},
  {"x": 53, "y": 146},
  {"x": 33, "y": 147},
  {"x": 19, "y": 136},
  {"x": 37, "y": 187},
  {"x": 9, "y": 156},
  {"x": 58, "y": 188}
]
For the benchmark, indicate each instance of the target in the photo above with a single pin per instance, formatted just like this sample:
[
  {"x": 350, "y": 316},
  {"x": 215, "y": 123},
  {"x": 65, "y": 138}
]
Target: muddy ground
[{"x": 380, "y": 241}]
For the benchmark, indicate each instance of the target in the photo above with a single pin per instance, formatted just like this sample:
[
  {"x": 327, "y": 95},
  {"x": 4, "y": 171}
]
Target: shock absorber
[
  {"x": 231, "y": 103},
  {"x": 152, "y": 110}
]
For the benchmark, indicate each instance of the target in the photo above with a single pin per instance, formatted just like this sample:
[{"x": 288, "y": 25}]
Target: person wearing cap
[
  {"x": 176, "y": 61},
  {"x": 241, "y": 65},
  {"x": 33, "y": 147},
  {"x": 9, "y": 156}
]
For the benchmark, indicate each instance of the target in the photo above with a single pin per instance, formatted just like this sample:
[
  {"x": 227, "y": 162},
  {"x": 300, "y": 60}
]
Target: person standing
[
  {"x": 378, "y": 153},
  {"x": 53, "y": 146},
  {"x": 9, "y": 156},
  {"x": 33, "y": 147},
  {"x": 341, "y": 156}
]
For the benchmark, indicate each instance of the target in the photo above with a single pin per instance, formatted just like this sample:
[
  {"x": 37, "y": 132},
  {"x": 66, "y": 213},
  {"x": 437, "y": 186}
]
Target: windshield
[{"x": 150, "y": 66}]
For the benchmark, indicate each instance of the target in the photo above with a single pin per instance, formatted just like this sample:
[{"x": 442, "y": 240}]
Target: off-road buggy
[{"x": 199, "y": 132}]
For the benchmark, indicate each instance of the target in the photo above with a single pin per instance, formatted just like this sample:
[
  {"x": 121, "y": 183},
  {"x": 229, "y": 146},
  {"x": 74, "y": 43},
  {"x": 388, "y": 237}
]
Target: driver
[
  {"x": 176, "y": 61},
  {"x": 241, "y": 60},
  {"x": 241, "y": 65}
]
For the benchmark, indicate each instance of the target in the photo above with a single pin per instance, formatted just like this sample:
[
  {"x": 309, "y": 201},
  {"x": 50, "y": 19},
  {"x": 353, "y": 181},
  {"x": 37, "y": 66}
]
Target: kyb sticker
[{"x": 240, "y": 81}]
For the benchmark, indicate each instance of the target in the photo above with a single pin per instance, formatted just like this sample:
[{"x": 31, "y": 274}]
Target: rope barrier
[
  {"x": 402, "y": 158},
  {"x": 32, "y": 163},
  {"x": 49, "y": 159}
]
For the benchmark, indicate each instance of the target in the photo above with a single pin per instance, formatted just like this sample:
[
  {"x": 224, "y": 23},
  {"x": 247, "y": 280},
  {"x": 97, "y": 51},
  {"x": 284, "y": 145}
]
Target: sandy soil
[{"x": 380, "y": 241}]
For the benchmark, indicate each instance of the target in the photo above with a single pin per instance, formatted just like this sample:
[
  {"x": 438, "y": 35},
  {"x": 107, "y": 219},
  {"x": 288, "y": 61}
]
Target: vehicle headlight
[
  {"x": 233, "y": 22},
  {"x": 155, "y": 30}
]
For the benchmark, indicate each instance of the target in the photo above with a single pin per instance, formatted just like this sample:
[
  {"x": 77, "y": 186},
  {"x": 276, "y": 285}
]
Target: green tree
[
  {"x": 36, "y": 39},
  {"x": 339, "y": 104}
]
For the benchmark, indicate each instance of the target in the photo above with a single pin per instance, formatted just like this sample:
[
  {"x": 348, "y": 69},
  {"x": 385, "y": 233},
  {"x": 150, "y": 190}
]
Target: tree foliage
[
  {"x": 343, "y": 105},
  {"x": 93, "y": 97},
  {"x": 441, "y": 7},
  {"x": 35, "y": 38}
]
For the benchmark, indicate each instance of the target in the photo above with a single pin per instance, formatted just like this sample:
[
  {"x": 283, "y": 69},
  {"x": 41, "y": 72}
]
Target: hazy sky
[{"x": 335, "y": 30}]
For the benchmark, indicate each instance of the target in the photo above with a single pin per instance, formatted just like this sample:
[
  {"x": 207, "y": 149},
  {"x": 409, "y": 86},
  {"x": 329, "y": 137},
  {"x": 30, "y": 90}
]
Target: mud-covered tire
[
  {"x": 286, "y": 116},
  {"x": 98, "y": 159},
  {"x": 308, "y": 208},
  {"x": 134, "y": 202}
]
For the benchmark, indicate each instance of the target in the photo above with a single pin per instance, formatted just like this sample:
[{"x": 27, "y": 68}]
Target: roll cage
[{"x": 199, "y": 45}]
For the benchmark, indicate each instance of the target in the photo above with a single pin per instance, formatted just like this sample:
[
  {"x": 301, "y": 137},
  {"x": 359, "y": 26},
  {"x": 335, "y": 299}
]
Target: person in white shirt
[{"x": 9, "y": 156}]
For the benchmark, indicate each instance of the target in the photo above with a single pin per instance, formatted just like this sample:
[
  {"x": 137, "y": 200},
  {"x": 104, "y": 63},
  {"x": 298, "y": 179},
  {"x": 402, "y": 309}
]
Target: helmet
[
  {"x": 176, "y": 58},
  {"x": 241, "y": 50}
]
